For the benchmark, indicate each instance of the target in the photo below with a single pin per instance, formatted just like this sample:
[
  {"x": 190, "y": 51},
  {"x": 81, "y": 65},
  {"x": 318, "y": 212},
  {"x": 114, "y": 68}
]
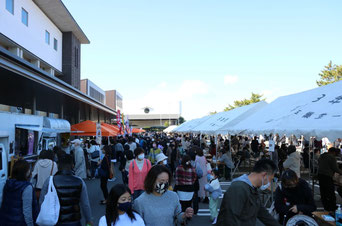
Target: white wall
[{"x": 32, "y": 37}]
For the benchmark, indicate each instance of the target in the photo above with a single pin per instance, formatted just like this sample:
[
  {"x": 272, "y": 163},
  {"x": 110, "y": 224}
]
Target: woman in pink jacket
[{"x": 138, "y": 170}]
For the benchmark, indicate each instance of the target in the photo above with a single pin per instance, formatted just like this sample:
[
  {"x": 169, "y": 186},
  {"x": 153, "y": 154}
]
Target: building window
[
  {"x": 10, "y": 6},
  {"x": 47, "y": 37},
  {"x": 76, "y": 57},
  {"x": 96, "y": 94},
  {"x": 55, "y": 44},
  {"x": 24, "y": 16}
]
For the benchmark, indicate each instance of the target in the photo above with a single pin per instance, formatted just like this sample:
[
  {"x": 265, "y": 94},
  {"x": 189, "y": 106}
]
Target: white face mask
[
  {"x": 141, "y": 156},
  {"x": 165, "y": 162},
  {"x": 264, "y": 186}
]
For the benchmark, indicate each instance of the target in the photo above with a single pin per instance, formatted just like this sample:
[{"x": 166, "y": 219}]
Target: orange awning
[
  {"x": 112, "y": 127},
  {"x": 89, "y": 129},
  {"x": 136, "y": 130}
]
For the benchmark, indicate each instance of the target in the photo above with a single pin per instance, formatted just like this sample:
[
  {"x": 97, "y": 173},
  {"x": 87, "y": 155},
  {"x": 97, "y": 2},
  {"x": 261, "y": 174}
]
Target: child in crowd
[{"x": 215, "y": 192}]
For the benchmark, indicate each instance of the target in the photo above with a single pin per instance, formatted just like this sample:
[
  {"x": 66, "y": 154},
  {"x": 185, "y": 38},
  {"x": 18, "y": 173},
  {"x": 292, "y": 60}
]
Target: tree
[
  {"x": 330, "y": 74},
  {"x": 212, "y": 112},
  {"x": 239, "y": 103},
  {"x": 166, "y": 124},
  {"x": 181, "y": 120}
]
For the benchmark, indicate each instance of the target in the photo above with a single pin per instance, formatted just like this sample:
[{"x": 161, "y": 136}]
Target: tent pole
[
  {"x": 200, "y": 140},
  {"x": 216, "y": 139}
]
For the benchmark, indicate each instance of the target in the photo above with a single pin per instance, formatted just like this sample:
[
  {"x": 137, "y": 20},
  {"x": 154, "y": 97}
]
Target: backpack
[{"x": 143, "y": 166}]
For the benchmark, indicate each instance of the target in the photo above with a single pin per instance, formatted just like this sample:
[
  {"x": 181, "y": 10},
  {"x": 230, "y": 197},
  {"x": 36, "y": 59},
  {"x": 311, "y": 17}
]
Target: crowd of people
[{"x": 172, "y": 173}]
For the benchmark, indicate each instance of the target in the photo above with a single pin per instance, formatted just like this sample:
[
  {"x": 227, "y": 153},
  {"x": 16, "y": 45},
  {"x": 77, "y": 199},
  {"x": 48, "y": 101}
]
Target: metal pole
[
  {"x": 216, "y": 139},
  {"x": 200, "y": 140}
]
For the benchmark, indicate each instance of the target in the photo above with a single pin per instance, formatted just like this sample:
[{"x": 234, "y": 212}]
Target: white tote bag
[{"x": 49, "y": 211}]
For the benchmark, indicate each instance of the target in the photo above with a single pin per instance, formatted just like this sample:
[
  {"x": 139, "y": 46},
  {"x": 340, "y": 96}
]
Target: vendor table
[{"x": 319, "y": 219}]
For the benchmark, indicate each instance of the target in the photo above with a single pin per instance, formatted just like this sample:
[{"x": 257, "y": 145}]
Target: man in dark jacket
[
  {"x": 327, "y": 167},
  {"x": 241, "y": 204},
  {"x": 72, "y": 194}
]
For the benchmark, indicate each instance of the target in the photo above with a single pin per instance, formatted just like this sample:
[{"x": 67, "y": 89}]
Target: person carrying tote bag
[{"x": 49, "y": 212}]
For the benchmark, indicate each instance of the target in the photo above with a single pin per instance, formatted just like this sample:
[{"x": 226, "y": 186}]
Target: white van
[{"x": 25, "y": 136}]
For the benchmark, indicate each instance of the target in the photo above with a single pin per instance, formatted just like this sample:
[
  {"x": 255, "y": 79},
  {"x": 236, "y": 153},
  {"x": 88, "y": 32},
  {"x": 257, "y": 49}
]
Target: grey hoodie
[
  {"x": 43, "y": 169},
  {"x": 293, "y": 162}
]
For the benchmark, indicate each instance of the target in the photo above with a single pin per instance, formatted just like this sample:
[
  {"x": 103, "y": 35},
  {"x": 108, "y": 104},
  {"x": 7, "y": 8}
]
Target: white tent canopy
[
  {"x": 227, "y": 119},
  {"x": 181, "y": 126},
  {"x": 188, "y": 126},
  {"x": 316, "y": 112},
  {"x": 169, "y": 129}
]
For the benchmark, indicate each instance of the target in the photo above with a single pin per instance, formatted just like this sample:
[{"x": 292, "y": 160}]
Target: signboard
[
  {"x": 271, "y": 146},
  {"x": 98, "y": 133}
]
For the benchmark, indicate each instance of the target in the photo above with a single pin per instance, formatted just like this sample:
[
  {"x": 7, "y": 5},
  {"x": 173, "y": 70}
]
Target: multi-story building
[
  {"x": 114, "y": 100},
  {"x": 40, "y": 52},
  {"x": 92, "y": 90}
]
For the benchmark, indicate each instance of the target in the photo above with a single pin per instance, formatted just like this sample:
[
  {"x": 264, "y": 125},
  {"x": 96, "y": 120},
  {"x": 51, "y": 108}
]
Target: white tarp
[
  {"x": 188, "y": 126},
  {"x": 316, "y": 112},
  {"x": 169, "y": 129},
  {"x": 181, "y": 126},
  {"x": 218, "y": 123}
]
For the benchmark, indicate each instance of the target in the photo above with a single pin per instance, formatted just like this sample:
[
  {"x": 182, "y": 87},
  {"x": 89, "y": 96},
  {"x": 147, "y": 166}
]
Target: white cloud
[
  {"x": 230, "y": 79},
  {"x": 162, "y": 85}
]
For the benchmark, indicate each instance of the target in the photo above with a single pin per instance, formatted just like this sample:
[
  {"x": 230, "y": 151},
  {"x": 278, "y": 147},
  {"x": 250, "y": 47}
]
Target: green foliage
[
  {"x": 181, "y": 120},
  {"x": 166, "y": 124},
  {"x": 212, "y": 112},
  {"x": 239, "y": 103},
  {"x": 330, "y": 74}
]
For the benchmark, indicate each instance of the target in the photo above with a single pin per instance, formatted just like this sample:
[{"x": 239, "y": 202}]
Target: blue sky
[{"x": 206, "y": 53}]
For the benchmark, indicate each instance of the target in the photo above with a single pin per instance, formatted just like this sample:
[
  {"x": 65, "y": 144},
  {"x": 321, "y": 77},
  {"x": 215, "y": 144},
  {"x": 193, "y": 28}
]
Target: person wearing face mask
[
  {"x": 157, "y": 205},
  {"x": 137, "y": 172},
  {"x": 293, "y": 196},
  {"x": 153, "y": 153},
  {"x": 214, "y": 189},
  {"x": 19, "y": 204},
  {"x": 241, "y": 204},
  {"x": 185, "y": 180},
  {"x": 162, "y": 160},
  {"x": 119, "y": 210}
]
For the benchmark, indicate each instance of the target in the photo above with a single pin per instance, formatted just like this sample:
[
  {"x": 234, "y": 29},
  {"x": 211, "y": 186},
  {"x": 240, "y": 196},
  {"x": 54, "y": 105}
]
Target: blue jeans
[{"x": 93, "y": 166}]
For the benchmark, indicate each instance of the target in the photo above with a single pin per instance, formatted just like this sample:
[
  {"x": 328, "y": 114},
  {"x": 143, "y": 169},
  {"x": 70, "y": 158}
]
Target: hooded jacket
[
  {"x": 43, "y": 169},
  {"x": 241, "y": 206},
  {"x": 293, "y": 162},
  {"x": 214, "y": 189}
]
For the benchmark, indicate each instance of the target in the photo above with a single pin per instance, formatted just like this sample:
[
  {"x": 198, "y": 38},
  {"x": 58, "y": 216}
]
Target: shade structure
[
  {"x": 218, "y": 123},
  {"x": 316, "y": 112},
  {"x": 188, "y": 126},
  {"x": 169, "y": 129},
  {"x": 89, "y": 129},
  {"x": 136, "y": 130},
  {"x": 112, "y": 127}
]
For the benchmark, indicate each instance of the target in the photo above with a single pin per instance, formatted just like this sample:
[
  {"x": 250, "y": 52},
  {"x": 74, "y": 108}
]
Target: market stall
[{"x": 88, "y": 128}]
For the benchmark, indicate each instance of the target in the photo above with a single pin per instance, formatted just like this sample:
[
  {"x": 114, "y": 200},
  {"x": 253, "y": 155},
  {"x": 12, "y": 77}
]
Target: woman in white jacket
[
  {"x": 43, "y": 168},
  {"x": 293, "y": 160}
]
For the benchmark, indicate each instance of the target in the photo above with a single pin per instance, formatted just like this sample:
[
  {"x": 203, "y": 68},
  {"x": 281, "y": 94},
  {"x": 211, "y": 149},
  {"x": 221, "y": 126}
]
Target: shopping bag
[{"x": 49, "y": 211}]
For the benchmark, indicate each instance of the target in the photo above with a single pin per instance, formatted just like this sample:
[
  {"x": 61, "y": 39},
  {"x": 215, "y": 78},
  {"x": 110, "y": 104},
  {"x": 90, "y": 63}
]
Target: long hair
[
  {"x": 112, "y": 214},
  {"x": 185, "y": 160}
]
